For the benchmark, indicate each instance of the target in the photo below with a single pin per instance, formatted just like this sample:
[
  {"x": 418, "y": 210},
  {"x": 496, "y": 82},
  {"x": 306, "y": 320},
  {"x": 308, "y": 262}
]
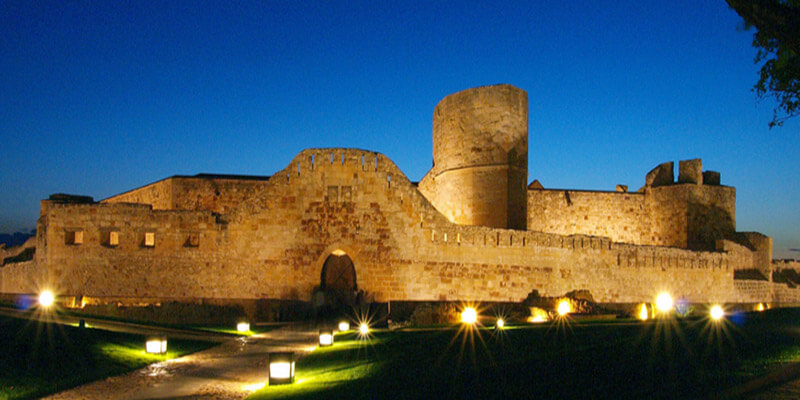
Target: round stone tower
[{"x": 480, "y": 156}]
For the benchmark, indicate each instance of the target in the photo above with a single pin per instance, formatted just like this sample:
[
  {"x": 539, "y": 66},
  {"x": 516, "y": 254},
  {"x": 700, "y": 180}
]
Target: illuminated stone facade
[{"x": 470, "y": 230}]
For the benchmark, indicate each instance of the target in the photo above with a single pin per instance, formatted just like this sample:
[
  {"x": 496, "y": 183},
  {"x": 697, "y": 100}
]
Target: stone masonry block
[
  {"x": 690, "y": 171},
  {"x": 661, "y": 175},
  {"x": 711, "y": 178}
]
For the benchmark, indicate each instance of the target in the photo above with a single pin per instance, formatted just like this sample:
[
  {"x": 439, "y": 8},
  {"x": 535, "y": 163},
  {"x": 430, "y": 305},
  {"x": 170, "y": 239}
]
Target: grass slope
[
  {"x": 42, "y": 358},
  {"x": 657, "y": 359}
]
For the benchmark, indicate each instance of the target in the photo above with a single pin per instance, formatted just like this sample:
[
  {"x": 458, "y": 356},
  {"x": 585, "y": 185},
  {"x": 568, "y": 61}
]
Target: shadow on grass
[{"x": 665, "y": 358}]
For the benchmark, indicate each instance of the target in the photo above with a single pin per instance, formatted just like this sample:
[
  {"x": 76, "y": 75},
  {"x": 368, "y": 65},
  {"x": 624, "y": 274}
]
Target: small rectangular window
[
  {"x": 347, "y": 193},
  {"x": 110, "y": 238},
  {"x": 333, "y": 194},
  {"x": 193, "y": 240},
  {"x": 149, "y": 239},
  {"x": 74, "y": 237}
]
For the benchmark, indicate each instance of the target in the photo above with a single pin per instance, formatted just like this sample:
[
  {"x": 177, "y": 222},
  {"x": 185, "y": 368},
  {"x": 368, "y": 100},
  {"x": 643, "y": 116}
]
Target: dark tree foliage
[{"x": 777, "y": 41}]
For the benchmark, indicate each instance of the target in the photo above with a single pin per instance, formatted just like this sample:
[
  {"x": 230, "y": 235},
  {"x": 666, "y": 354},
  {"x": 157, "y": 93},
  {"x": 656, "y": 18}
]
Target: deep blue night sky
[{"x": 100, "y": 97}]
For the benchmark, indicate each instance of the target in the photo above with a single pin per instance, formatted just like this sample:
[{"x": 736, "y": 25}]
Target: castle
[{"x": 348, "y": 221}]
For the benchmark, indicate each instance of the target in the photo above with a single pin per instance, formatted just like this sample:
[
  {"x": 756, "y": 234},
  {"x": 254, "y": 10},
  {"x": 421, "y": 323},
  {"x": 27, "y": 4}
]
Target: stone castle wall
[
  {"x": 174, "y": 266},
  {"x": 684, "y": 215},
  {"x": 157, "y": 194},
  {"x": 690, "y": 215},
  {"x": 616, "y": 215},
  {"x": 274, "y": 244},
  {"x": 217, "y": 193}
]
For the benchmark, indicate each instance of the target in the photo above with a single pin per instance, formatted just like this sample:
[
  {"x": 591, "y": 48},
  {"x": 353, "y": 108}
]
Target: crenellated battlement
[{"x": 686, "y": 213}]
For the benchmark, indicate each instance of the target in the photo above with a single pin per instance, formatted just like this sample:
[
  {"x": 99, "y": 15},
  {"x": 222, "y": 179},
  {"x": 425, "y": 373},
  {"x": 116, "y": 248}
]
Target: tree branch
[{"x": 773, "y": 18}]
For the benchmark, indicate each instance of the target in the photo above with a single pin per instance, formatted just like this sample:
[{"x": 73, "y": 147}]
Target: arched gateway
[
  {"x": 338, "y": 273},
  {"x": 338, "y": 287}
]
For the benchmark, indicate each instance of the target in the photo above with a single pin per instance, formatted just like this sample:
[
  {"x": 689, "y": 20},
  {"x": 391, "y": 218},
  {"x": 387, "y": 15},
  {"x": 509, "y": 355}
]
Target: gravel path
[{"x": 231, "y": 370}]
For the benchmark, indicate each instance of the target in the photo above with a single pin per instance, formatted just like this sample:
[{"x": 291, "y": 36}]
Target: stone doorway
[
  {"x": 338, "y": 290},
  {"x": 338, "y": 273}
]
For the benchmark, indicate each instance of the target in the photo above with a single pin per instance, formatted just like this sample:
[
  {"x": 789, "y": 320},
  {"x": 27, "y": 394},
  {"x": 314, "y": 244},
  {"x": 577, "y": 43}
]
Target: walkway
[{"x": 231, "y": 370}]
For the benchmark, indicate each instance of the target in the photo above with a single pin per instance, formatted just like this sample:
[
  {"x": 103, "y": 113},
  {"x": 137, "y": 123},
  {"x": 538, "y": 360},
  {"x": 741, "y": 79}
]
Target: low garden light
[
  {"x": 664, "y": 302},
  {"x": 156, "y": 345},
  {"x": 564, "y": 307},
  {"x": 243, "y": 327},
  {"x": 344, "y": 326},
  {"x": 643, "y": 313},
  {"x": 363, "y": 329},
  {"x": 281, "y": 368},
  {"x": 716, "y": 312},
  {"x": 325, "y": 337},
  {"x": 46, "y": 298},
  {"x": 500, "y": 323},
  {"x": 760, "y": 307},
  {"x": 469, "y": 315}
]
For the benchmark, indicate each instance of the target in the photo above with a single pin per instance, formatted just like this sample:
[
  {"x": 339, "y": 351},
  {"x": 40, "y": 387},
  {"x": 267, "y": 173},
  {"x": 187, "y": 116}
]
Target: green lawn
[
  {"x": 600, "y": 359},
  {"x": 41, "y": 358}
]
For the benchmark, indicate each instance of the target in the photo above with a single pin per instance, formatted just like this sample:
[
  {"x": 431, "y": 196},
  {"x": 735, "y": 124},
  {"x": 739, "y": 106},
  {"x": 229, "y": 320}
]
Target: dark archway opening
[
  {"x": 338, "y": 292},
  {"x": 338, "y": 274}
]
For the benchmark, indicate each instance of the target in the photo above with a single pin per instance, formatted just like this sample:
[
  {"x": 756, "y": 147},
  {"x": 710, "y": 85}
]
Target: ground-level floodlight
[
  {"x": 716, "y": 312},
  {"x": 760, "y": 307},
  {"x": 156, "y": 345},
  {"x": 344, "y": 326},
  {"x": 281, "y": 368},
  {"x": 538, "y": 315},
  {"x": 500, "y": 323},
  {"x": 664, "y": 302},
  {"x": 325, "y": 337},
  {"x": 243, "y": 327},
  {"x": 643, "y": 314},
  {"x": 564, "y": 307},
  {"x": 46, "y": 298},
  {"x": 363, "y": 329},
  {"x": 469, "y": 315}
]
